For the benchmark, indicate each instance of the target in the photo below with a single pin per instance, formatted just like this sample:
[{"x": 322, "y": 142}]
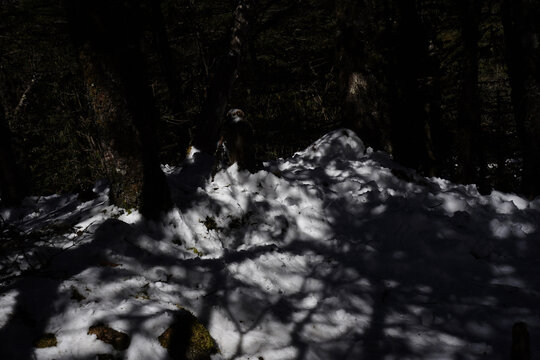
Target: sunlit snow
[{"x": 335, "y": 253}]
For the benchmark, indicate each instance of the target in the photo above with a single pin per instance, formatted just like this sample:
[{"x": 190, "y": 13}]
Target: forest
[
  {"x": 226, "y": 124},
  {"x": 447, "y": 88}
]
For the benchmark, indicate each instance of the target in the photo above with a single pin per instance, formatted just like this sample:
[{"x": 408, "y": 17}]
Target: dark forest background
[{"x": 110, "y": 89}]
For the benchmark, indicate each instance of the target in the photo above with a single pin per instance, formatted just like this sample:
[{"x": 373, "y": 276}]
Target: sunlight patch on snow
[
  {"x": 8, "y": 301},
  {"x": 285, "y": 353},
  {"x": 342, "y": 143},
  {"x": 452, "y": 203},
  {"x": 5, "y": 214},
  {"x": 500, "y": 229},
  {"x": 288, "y": 280},
  {"x": 312, "y": 225},
  {"x": 143, "y": 347},
  {"x": 503, "y": 200},
  {"x": 378, "y": 210},
  {"x": 224, "y": 331}
]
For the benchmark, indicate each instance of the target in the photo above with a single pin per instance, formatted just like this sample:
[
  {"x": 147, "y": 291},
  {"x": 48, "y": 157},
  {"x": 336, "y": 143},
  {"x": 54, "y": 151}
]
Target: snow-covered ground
[{"x": 335, "y": 253}]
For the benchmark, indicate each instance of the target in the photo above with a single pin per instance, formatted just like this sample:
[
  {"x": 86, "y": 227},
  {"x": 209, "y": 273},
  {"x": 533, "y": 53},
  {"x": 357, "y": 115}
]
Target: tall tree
[
  {"x": 206, "y": 132},
  {"x": 522, "y": 32},
  {"x": 383, "y": 59},
  {"x": 166, "y": 62},
  {"x": 412, "y": 109},
  {"x": 469, "y": 135},
  {"x": 362, "y": 63},
  {"x": 107, "y": 35},
  {"x": 11, "y": 186}
]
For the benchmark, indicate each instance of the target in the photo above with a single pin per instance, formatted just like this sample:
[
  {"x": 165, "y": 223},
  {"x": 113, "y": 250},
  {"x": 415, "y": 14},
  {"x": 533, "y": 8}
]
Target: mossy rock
[
  {"x": 188, "y": 339},
  {"x": 117, "y": 339},
  {"x": 46, "y": 341}
]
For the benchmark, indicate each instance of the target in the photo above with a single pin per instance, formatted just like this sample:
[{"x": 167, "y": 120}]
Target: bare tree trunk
[
  {"x": 107, "y": 34},
  {"x": 206, "y": 134},
  {"x": 362, "y": 65},
  {"x": 522, "y": 32},
  {"x": 469, "y": 138},
  {"x": 410, "y": 116},
  {"x": 11, "y": 186},
  {"x": 166, "y": 63},
  {"x": 383, "y": 58}
]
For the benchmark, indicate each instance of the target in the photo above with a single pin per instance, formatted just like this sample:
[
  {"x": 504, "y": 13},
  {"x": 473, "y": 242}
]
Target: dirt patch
[
  {"x": 46, "y": 341},
  {"x": 117, "y": 339}
]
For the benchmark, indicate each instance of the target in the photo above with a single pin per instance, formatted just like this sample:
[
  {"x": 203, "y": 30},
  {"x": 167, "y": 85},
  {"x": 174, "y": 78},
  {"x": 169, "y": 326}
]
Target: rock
[
  {"x": 188, "y": 339},
  {"x": 117, "y": 339},
  {"x": 46, "y": 341}
]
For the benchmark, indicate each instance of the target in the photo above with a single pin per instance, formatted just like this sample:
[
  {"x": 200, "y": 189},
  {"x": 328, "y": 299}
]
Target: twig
[{"x": 24, "y": 96}]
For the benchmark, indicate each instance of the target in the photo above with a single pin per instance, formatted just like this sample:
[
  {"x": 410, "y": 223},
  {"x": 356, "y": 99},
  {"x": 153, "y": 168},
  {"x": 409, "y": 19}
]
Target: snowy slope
[{"x": 335, "y": 253}]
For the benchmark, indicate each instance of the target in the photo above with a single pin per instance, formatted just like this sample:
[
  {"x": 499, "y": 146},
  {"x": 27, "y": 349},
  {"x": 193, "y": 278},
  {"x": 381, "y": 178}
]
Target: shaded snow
[{"x": 334, "y": 253}]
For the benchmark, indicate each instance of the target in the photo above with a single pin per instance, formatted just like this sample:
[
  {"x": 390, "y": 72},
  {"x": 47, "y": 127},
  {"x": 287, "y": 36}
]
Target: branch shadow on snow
[
  {"x": 36, "y": 289},
  {"x": 333, "y": 255},
  {"x": 111, "y": 252},
  {"x": 418, "y": 269}
]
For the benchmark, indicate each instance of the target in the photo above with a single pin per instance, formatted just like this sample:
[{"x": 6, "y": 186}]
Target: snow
[{"x": 334, "y": 253}]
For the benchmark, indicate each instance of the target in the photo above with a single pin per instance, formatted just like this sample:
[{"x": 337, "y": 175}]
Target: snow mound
[
  {"x": 336, "y": 253},
  {"x": 341, "y": 143}
]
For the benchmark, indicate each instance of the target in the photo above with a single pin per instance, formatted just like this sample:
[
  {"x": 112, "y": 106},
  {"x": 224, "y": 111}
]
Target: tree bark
[
  {"x": 411, "y": 134},
  {"x": 383, "y": 59},
  {"x": 166, "y": 63},
  {"x": 522, "y": 31},
  {"x": 206, "y": 133},
  {"x": 11, "y": 185},
  {"x": 362, "y": 65},
  {"x": 107, "y": 34},
  {"x": 469, "y": 138}
]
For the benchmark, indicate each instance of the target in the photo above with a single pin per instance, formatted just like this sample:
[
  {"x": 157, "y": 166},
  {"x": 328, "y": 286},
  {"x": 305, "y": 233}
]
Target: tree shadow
[
  {"x": 340, "y": 259},
  {"x": 38, "y": 295}
]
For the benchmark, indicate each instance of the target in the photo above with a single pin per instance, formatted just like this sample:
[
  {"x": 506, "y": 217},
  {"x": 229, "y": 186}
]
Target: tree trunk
[
  {"x": 468, "y": 138},
  {"x": 107, "y": 34},
  {"x": 166, "y": 63},
  {"x": 362, "y": 64},
  {"x": 206, "y": 134},
  {"x": 383, "y": 59},
  {"x": 11, "y": 186},
  {"x": 410, "y": 127},
  {"x": 521, "y": 30}
]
